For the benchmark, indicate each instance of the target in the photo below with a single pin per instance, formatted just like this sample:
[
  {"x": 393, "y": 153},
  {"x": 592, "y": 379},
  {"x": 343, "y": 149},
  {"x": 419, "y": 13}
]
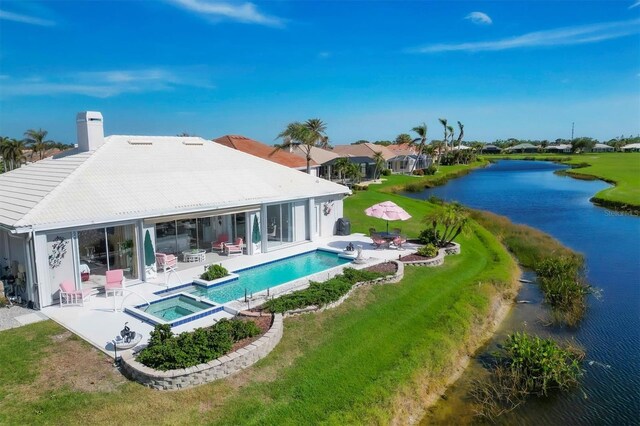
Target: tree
[
  {"x": 460, "y": 134},
  {"x": 306, "y": 136},
  {"x": 582, "y": 145},
  {"x": 12, "y": 153},
  {"x": 421, "y": 131},
  {"x": 360, "y": 142},
  {"x": 353, "y": 172},
  {"x": 380, "y": 162},
  {"x": 403, "y": 138},
  {"x": 35, "y": 139},
  {"x": 443, "y": 121},
  {"x": 447, "y": 223},
  {"x": 341, "y": 166}
]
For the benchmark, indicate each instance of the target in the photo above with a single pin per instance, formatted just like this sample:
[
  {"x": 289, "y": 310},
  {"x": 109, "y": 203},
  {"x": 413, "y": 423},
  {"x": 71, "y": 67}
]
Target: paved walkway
[{"x": 17, "y": 316}]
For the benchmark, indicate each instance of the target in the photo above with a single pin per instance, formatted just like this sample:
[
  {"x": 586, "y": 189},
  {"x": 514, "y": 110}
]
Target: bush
[
  {"x": 360, "y": 187},
  {"x": 418, "y": 172},
  {"x": 214, "y": 272},
  {"x": 166, "y": 351},
  {"x": 320, "y": 294},
  {"x": 386, "y": 172},
  {"x": 431, "y": 170},
  {"x": 429, "y": 236},
  {"x": 3, "y": 301},
  {"x": 429, "y": 250},
  {"x": 562, "y": 282}
]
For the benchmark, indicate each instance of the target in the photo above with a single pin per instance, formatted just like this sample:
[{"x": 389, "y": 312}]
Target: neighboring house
[
  {"x": 366, "y": 164},
  {"x": 563, "y": 147},
  {"x": 490, "y": 149},
  {"x": 319, "y": 156},
  {"x": 364, "y": 151},
  {"x": 632, "y": 147},
  {"x": 600, "y": 147},
  {"x": 406, "y": 159},
  {"x": 113, "y": 202},
  {"x": 523, "y": 147},
  {"x": 259, "y": 149}
]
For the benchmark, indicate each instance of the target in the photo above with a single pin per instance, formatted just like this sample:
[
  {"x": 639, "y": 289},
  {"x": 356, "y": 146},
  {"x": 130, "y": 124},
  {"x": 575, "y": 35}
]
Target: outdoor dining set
[{"x": 389, "y": 211}]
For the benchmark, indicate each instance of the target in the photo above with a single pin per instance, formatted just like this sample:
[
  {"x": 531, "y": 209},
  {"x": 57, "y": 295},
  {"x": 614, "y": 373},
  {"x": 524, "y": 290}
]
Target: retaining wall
[
  {"x": 205, "y": 373},
  {"x": 438, "y": 259}
]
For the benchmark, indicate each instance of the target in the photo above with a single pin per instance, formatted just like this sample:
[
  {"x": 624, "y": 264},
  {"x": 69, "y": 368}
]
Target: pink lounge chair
[
  {"x": 115, "y": 282},
  {"x": 166, "y": 262},
  {"x": 380, "y": 242},
  {"x": 399, "y": 241},
  {"x": 220, "y": 242},
  {"x": 234, "y": 248},
  {"x": 70, "y": 296}
]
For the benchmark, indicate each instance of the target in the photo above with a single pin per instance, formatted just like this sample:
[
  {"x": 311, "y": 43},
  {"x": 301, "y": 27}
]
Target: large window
[
  {"x": 177, "y": 236},
  {"x": 104, "y": 249},
  {"x": 279, "y": 224}
]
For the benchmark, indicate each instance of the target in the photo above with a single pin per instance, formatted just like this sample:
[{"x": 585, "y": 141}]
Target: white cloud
[
  {"x": 102, "y": 84},
  {"x": 636, "y": 4},
  {"x": 479, "y": 18},
  {"x": 557, "y": 37},
  {"x": 246, "y": 13},
  {"x": 24, "y": 19}
]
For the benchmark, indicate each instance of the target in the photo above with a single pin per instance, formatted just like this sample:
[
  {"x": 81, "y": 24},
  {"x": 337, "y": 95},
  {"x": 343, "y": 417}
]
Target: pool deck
[{"x": 98, "y": 323}]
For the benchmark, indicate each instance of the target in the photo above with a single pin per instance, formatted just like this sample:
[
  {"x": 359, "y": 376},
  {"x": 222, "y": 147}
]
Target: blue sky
[{"x": 370, "y": 70}]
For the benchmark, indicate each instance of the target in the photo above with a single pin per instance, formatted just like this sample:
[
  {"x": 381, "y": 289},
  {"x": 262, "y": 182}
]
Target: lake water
[{"x": 529, "y": 192}]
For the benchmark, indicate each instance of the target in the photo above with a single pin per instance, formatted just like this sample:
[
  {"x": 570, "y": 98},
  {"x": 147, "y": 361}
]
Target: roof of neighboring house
[
  {"x": 259, "y": 149},
  {"x": 491, "y": 147},
  {"x": 363, "y": 150},
  {"x": 131, "y": 177},
  {"x": 523, "y": 146},
  {"x": 602, "y": 146},
  {"x": 561, "y": 146},
  {"x": 318, "y": 155},
  {"x": 354, "y": 159},
  {"x": 402, "y": 149},
  {"x": 632, "y": 146}
]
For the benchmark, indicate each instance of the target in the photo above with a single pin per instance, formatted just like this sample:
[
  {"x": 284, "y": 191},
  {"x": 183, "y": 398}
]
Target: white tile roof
[{"x": 154, "y": 177}]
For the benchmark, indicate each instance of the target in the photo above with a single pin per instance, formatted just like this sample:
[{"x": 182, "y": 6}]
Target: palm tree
[
  {"x": 403, "y": 138},
  {"x": 12, "y": 153},
  {"x": 4, "y": 140},
  {"x": 341, "y": 166},
  {"x": 353, "y": 172},
  {"x": 451, "y": 134},
  {"x": 460, "y": 134},
  {"x": 422, "y": 139},
  {"x": 305, "y": 135},
  {"x": 379, "y": 161},
  {"x": 437, "y": 147},
  {"x": 35, "y": 139},
  {"x": 443, "y": 121}
]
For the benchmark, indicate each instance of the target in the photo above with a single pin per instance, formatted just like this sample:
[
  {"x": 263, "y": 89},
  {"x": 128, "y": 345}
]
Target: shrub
[
  {"x": 166, "y": 351},
  {"x": 386, "y": 172},
  {"x": 429, "y": 250},
  {"x": 429, "y": 236},
  {"x": 214, "y": 272},
  {"x": 360, "y": 187},
  {"x": 418, "y": 172},
  {"x": 320, "y": 294},
  {"x": 562, "y": 282},
  {"x": 527, "y": 365},
  {"x": 431, "y": 170},
  {"x": 414, "y": 187}
]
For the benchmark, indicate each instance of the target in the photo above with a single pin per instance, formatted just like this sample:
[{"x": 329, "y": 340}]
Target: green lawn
[
  {"x": 362, "y": 362},
  {"x": 622, "y": 169}
]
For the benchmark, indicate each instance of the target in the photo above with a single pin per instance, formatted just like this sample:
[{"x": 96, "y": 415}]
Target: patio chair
[
  {"x": 380, "y": 243},
  {"x": 115, "y": 282},
  {"x": 234, "y": 248},
  {"x": 372, "y": 232},
  {"x": 220, "y": 242},
  {"x": 399, "y": 241},
  {"x": 166, "y": 262},
  {"x": 396, "y": 231},
  {"x": 271, "y": 233},
  {"x": 70, "y": 296}
]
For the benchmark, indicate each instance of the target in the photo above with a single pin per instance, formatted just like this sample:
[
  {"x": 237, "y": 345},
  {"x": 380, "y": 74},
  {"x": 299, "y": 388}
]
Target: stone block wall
[{"x": 205, "y": 373}]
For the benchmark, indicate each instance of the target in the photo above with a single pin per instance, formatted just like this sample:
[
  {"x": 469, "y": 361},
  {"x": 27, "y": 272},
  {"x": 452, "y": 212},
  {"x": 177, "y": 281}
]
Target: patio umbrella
[
  {"x": 255, "y": 235},
  {"x": 387, "y": 210}
]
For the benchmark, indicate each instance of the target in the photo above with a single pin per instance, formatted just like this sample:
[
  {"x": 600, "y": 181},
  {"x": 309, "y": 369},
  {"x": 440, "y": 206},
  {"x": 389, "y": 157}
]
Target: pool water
[
  {"x": 175, "y": 307},
  {"x": 262, "y": 277}
]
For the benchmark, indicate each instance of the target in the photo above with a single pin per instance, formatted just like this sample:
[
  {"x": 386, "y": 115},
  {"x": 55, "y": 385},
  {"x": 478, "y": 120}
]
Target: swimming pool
[{"x": 268, "y": 275}]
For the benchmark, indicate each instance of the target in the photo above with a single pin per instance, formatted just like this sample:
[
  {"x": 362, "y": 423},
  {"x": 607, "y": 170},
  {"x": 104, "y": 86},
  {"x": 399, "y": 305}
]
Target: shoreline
[
  {"x": 613, "y": 205},
  {"x": 482, "y": 333}
]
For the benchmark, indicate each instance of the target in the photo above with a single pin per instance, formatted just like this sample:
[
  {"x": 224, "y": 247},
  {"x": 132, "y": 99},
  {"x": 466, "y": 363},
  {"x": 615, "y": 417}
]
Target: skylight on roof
[
  {"x": 140, "y": 142},
  {"x": 198, "y": 143}
]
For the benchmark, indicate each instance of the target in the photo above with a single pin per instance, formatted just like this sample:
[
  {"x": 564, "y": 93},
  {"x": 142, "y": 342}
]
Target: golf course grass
[
  {"x": 374, "y": 359},
  {"x": 620, "y": 169}
]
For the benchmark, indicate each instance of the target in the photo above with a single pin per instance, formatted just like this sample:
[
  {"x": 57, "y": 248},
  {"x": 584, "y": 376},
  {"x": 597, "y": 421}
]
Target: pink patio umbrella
[{"x": 387, "y": 210}]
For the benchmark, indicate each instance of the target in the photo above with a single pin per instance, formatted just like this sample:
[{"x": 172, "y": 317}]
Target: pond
[{"x": 529, "y": 192}]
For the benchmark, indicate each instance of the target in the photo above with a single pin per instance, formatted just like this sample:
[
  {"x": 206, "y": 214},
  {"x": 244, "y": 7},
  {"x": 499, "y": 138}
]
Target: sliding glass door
[{"x": 279, "y": 224}]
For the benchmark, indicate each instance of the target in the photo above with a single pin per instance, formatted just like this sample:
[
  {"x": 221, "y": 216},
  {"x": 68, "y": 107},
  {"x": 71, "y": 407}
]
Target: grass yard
[
  {"x": 621, "y": 169},
  {"x": 371, "y": 360}
]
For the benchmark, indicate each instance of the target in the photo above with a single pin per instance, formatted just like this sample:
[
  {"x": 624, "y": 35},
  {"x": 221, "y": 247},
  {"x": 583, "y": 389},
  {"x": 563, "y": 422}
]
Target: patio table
[{"x": 194, "y": 255}]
